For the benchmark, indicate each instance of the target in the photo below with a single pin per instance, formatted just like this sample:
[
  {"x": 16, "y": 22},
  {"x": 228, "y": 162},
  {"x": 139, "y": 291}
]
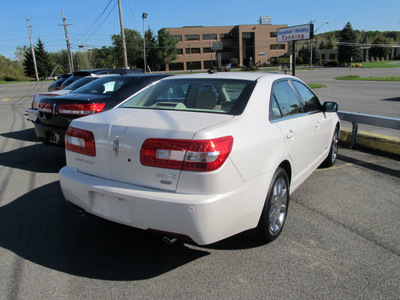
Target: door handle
[
  {"x": 318, "y": 125},
  {"x": 290, "y": 134}
]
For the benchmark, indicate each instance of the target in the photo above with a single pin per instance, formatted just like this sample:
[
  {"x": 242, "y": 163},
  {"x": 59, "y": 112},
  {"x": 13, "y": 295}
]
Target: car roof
[
  {"x": 106, "y": 71},
  {"x": 252, "y": 76}
]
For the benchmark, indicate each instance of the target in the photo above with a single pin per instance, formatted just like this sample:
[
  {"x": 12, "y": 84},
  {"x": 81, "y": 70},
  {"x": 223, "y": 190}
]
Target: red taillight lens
[
  {"x": 187, "y": 155},
  {"x": 80, "y": 141},
  {"x": 80, "y": 109},
  {"x": 46, "y": 95},
  {"x": 45, "y": 107},
  {"x": 33, "y": 102}
]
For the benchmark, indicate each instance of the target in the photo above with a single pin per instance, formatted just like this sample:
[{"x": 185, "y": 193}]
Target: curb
[{"x": 371, "y": 141}]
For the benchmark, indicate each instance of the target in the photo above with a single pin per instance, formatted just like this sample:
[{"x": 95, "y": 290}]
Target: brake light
[
  {"x": 46, "y": 95},
  {"x": 33, "y": 102},
  {"x": 80, "y": 109},
  {"x": 45, "y": 107},
  {"x": 186, "y": 155},
  {"x": 80, "y": 141}
]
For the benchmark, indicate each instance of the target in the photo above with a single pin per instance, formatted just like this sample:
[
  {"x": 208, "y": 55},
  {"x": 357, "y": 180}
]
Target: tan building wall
[{"x": 255, "y": 43}]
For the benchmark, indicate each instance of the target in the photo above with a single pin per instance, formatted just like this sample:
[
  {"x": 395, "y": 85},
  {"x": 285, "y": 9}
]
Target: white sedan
[{"x": 201, "y": 157}]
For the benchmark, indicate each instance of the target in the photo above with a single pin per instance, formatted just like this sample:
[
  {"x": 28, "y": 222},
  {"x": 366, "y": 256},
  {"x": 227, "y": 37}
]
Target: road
[
  {"x": 368, "y": 97},
  {"x": 341, "y": 239}
]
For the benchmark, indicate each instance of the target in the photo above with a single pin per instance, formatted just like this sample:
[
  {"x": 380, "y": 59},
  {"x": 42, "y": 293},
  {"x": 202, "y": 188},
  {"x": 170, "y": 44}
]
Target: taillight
[
  {"x": 45, "y": 107},
  {"x": 80, "y": 141},
  {"x": 46, "y": 95},
  {"x": 33, "y": 103},
  {"x": 80, "y": 109},
  {"x": 187, "y": 155}
]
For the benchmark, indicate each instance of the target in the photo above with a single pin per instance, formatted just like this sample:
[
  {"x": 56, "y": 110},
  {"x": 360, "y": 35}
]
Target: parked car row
[
  {"x": 197, "y": 157},
  {"x": 68, "y": 78},
  {"x": 95, "y": 93},
  {"x": 33, "y": 111}
]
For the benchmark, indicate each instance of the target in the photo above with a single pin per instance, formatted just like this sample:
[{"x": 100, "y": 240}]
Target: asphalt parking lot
[{"x": 341, "y": 239}]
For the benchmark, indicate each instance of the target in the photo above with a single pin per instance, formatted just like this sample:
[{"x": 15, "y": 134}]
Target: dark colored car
[
  {"x": 79, "y": 74},
  {"x": 55, "y": 114},
  {"x": 330, "y": 64},
  {"x": 56, "y": 85}
]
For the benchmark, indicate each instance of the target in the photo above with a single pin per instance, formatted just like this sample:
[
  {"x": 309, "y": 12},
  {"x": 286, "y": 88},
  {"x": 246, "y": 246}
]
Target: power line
[{"x": 95, "y": 23}]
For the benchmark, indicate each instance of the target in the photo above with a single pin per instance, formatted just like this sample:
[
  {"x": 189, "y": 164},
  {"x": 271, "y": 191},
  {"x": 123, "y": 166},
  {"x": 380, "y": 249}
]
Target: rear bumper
[
  {"x": 32, "y": 115},
  {"x": 50, "y": 134},
  {"x": 203, "y": 218}
]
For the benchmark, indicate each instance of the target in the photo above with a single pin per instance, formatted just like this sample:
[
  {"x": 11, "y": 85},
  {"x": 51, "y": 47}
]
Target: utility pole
[
  {"x": 71, "y": 62},
  {"x": 121, "y": 21},
  {"x": 32, "y": 49}
]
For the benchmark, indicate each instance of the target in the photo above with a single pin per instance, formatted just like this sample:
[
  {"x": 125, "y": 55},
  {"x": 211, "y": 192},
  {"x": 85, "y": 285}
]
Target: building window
[
  {"x": 207, "y": 50},
  {"x": 177, "y": 38},
  {"x": 209, "y": 64},
  {"x": 176, "y": 66},
  {"x": 212, "y": 36},
  {"x": 273, "y": 34},
  {"x": 192, "y": 50},
  {"x": 192, "y": 37},
  {"x": 194, "y": 65},
  {"x": 179, "y": 51},
  {"x": 332, "y": 56},
  {"x": 323, "y": 56},
  {"x": 247, "y": 35},
  {"x": 277, "y": 46}
]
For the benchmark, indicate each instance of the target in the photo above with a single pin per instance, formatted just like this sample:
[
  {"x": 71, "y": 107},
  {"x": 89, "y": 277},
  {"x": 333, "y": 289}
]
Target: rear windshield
[
  {"x": 224, "y": 96},
  {"x": 107, "y": 85},
  {"x": 80, "y": 82}
]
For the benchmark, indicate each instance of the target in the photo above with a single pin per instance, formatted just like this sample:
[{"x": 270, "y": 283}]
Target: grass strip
[{"x": 358, "y": 78}]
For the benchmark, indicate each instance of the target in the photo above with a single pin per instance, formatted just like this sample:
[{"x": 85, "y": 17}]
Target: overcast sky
[{"x": 94, "y": 21}]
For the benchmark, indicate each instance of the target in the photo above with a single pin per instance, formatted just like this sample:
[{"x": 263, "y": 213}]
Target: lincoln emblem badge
[{"x": 116, "y": 146}]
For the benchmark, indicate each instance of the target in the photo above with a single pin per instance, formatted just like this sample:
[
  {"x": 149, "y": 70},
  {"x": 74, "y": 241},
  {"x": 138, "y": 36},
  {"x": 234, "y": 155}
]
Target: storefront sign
[{"x": 295, "y": 33}]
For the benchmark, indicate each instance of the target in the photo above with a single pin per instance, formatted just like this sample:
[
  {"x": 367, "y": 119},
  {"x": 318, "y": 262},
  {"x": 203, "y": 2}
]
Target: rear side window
[
  {"x": 285, "y": 99},
  {"x": 106, "y": 85},
  {"x": 310, "y": 101}
]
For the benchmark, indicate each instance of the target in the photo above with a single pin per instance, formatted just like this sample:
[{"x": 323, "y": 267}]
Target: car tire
[
  {"x": 330, "y": 160},
  {"x": 275, "y": 209}
]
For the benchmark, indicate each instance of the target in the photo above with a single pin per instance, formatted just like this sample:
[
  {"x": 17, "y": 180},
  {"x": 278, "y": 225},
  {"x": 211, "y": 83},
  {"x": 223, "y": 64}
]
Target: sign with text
[
  {"x": 295, "y": 33},
  {"x": 217, "y": 46}
]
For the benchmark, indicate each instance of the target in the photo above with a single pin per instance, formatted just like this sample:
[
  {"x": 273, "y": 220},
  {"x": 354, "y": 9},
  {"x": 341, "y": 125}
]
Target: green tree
[
  {"x": 44, "y": 63},
  {"x": 304, "y": 54},
  {"x": 380, "y": 49},
  {"x": 167, "y": 44},
  {"x": 28, "y": 65},
  {"x": 60, "y": 59},
  {"x": 322, "y": 45},
  {"x": 104, "y": 57},
  {"x": 154, "y": 55},
  {"x": 11, "y": 70},
  {"x": 348, "y": 49},
  {"x": 134, "y": 48}
]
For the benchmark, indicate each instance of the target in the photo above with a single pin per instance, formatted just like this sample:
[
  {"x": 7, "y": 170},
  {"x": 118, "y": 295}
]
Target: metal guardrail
[{"x": 356, "y": 118}]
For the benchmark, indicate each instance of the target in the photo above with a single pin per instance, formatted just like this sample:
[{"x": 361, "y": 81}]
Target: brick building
[{"x": 198, "y": 45}]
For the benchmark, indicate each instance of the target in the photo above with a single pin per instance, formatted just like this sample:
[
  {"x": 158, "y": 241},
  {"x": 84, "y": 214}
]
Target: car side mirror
[{"x": 330, "y": 107}]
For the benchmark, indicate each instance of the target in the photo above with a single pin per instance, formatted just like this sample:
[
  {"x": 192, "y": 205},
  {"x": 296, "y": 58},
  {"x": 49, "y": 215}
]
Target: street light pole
[
  {"x": 144, "y": 16},
  {"x": 311, "y": 40}
]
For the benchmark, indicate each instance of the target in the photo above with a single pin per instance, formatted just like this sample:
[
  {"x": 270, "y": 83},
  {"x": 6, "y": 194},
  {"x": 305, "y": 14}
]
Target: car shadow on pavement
[
  {"x": 42, "y": 228},
  {"x": 370, "y": 165},
  {"x": 27, "y": 135},
  {"x": 35, "y": 158},
  {"x": 395, "y": 99}
]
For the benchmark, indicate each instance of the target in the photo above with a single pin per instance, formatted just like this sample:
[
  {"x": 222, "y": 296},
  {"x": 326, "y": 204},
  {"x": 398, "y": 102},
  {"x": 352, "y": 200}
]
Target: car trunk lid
[{"x": 119, "y": 142}]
